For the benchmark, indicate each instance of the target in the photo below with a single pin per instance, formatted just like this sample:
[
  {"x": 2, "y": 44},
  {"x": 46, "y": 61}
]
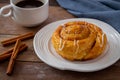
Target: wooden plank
[
  {"x": 53, "y": 3},
  {"x": 55, "y": 14},
  {"x": 13, "y": 29},
  {"x": 4, "y": 1},
  {"x": 29, "y": 67},
  {"x": 41, "y": 71},
  {"x": 28, "y": 55}
]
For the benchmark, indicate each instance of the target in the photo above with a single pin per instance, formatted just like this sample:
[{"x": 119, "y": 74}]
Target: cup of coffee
[{"x": 27, "y": 12}]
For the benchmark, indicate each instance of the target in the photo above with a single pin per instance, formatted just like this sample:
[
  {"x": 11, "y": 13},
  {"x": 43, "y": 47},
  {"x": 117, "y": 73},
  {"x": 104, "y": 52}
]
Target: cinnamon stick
[
  {"x": 13, "y": 57},
  {"x": 21, "y": 37},
  {"x": 7, "y": 54}
]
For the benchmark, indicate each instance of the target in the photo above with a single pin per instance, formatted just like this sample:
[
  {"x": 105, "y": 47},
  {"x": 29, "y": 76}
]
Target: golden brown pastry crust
[{"x": 79, "y": 40}]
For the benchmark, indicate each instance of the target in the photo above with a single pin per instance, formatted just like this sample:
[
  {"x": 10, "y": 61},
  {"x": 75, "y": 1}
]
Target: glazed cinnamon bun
[{"x": 79, "y": 40}]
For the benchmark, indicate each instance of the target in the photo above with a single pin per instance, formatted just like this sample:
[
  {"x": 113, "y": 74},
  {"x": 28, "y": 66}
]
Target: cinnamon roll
[{"x": 79, "y": 40}]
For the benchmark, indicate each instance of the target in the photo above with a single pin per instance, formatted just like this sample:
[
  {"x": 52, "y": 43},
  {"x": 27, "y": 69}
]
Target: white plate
[{"x": 45, "y": 51}]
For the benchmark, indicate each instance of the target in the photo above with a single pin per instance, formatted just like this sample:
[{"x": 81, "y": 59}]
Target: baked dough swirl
[{"x": 79, "y": 40}]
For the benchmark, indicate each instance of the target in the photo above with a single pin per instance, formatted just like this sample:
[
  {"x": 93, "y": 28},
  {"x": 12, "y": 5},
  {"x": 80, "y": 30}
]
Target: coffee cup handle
[{"x": 6, "y": 7}]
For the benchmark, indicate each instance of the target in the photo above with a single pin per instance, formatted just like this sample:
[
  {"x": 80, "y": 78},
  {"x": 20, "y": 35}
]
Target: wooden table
[{"x": 29, "y": 67}]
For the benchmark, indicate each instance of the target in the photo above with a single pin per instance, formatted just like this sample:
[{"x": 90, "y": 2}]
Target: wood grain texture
[
  {"x": 9, "y": 26},
  {"x": 29, "y": 67},
  {"x": 28, "y": 55},
  {"x": 41, "y": 71},
  {"x": 13, "y": 29},
  {"x": 4, "y": 1}
]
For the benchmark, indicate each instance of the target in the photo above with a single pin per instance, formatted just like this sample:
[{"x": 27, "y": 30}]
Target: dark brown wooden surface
[{"x": 29, "y": 67}]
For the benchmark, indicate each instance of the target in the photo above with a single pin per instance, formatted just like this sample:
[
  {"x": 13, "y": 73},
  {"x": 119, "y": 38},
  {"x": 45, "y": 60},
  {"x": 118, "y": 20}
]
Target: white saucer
[{"x": 46, "y": 52}]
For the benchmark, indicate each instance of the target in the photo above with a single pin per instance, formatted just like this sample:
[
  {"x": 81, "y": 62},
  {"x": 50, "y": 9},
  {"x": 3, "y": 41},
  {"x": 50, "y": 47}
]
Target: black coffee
[{"x": 29, "y": 4}]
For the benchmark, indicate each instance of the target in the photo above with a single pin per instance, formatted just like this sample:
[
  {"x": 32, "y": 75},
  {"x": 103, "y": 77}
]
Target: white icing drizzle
[
  {"x": 62, "y": 25},
  {"x": 61, "y": 45},
  {"x": 102, "y": 40},
  {"x": 98, "y": 39},
  {"x": 68, "y": 31},
  {"x": 85, "y": 23},
  {"x": 75, "y": 42},
  {"x": 77, "y": 47},
  {"x": 95, "y": 27}
]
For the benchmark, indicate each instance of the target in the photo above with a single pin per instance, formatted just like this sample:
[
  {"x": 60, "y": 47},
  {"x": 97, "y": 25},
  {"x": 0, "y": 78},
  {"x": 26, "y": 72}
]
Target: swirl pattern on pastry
[{"x": 79, "y": 40}]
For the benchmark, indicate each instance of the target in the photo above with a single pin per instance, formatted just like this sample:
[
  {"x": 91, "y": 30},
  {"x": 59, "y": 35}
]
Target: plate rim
[{"x": 63, "y": 68}]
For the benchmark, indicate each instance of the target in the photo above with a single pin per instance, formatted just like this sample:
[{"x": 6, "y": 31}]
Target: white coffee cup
[{"x": 26, "y": 16}]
